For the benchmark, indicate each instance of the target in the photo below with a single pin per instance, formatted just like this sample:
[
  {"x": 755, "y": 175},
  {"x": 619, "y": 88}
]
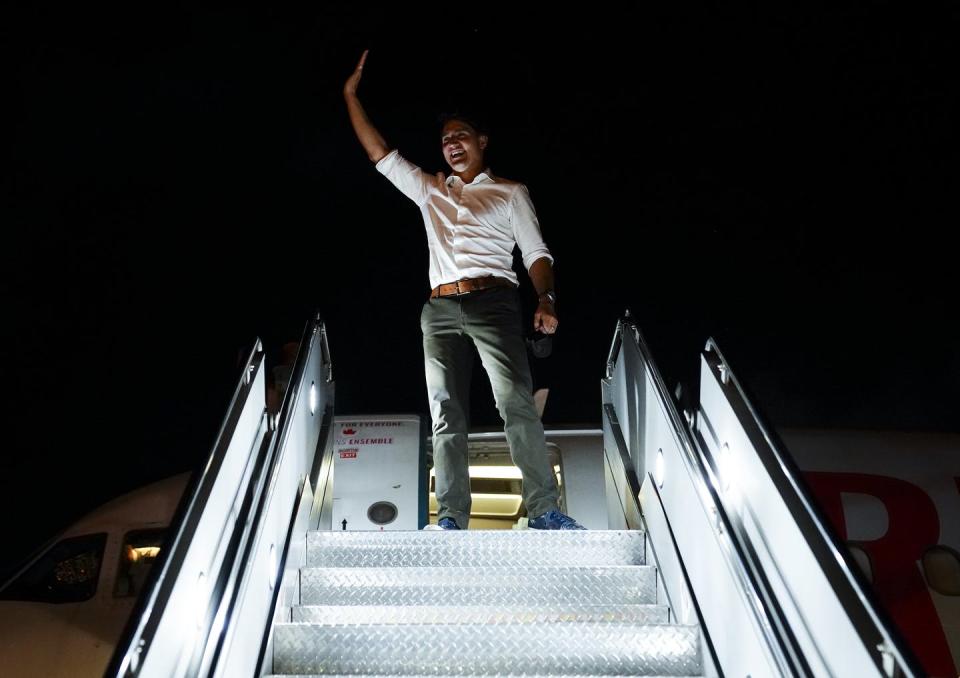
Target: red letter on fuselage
[{"x": 913, "y": 528}]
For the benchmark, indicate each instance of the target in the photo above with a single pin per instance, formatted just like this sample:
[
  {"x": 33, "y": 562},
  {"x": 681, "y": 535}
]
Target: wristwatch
[{"x": 550, "y": 295}]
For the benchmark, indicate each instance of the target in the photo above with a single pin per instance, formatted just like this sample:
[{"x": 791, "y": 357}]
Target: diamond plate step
[
  {"x": 331, "y": 615},
  {"x": 527, "y": 548},
  {"x": 452, "y": 586},
  {"x": 472, "y": 649}
]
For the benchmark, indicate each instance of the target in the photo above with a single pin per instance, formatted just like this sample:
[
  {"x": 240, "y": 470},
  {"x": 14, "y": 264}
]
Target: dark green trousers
[{"x": 455, "y": 329}]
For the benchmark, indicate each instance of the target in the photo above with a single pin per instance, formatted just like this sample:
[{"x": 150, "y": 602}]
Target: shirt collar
[{"x": 484, "y": 176}]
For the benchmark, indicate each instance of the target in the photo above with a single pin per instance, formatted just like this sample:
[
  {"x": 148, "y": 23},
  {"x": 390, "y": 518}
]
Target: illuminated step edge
[
  {"x": 333, "y": 615},
  {"x": 472, "y": 548},
  {"x": 474, "y": 536},
  {"x": 455, "y": 586},
  {"x": 476, "y": 649}
]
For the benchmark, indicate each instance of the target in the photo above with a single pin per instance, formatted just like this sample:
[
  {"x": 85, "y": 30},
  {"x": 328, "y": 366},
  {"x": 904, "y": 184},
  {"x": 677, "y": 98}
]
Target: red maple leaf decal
[{"x": 349, "y": 431}]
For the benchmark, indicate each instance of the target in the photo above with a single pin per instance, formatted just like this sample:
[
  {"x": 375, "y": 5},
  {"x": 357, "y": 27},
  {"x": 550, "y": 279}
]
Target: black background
[{"x": 185, "y": 179}]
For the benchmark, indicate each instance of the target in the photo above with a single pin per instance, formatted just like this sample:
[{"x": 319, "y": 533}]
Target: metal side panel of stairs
[{"x": 518, "y": 602}]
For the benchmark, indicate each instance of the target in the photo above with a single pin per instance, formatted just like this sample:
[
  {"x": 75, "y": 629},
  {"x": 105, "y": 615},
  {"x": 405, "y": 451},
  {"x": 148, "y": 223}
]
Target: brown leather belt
[{"x": 468, "y": 285}]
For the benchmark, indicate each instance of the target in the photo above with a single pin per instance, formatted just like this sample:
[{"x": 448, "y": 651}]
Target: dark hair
[{"x": 472, "y": 117}]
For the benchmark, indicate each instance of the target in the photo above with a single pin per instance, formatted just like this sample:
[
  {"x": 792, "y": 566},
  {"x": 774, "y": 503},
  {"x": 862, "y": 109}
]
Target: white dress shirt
[{"x": 471, "y": 228}]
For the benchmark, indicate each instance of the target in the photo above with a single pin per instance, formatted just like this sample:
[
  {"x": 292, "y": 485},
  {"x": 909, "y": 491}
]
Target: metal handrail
[
  {"x": 145, "y": 617},
  {"x": 616, "y": 344},
  {"x": 764, "y": 613},
  {"x": 867, "y": 618},
  {"x": 241, "y": 526},
  {"x": 248, "y": 521}
]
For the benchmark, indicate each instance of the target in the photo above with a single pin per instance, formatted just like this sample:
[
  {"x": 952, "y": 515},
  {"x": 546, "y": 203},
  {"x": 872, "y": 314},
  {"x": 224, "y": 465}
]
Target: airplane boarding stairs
[
  {"x": 714, "y": 561},
  {"x": 497, "y": 602}
]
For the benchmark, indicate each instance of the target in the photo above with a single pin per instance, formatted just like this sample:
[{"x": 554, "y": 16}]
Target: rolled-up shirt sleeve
[
  {"x": 526, "y": 227},
  {"x": 412, "y": 181}
]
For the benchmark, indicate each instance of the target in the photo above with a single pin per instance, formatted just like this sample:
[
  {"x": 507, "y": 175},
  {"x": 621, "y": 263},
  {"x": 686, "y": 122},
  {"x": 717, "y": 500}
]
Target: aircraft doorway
[{"x": 496, "y": 486}]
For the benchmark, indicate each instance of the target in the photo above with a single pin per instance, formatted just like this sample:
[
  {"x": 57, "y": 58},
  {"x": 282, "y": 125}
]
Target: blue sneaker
[
  {"x": 554, "y": 520},
  {"x": 444, "y": 524}
]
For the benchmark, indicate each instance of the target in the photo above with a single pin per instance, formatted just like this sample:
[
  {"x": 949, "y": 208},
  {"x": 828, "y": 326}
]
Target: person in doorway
[{"x": 474, "y": 219}]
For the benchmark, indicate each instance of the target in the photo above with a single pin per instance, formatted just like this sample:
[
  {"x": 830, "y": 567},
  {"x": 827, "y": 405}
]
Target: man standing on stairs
[{"x": 473, "y": 221}]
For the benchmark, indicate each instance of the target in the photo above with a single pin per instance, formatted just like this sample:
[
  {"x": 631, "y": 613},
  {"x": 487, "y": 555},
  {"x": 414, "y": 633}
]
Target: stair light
[
  {"x": 727, "y": 468},
  {"x": 498, "y": 472},
  {"x": 272, "y": 563},
  {"x": 200, "y": 600}
]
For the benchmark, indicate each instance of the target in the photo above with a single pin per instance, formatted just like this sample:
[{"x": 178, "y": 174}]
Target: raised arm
[{"x": 369, "y": 137}]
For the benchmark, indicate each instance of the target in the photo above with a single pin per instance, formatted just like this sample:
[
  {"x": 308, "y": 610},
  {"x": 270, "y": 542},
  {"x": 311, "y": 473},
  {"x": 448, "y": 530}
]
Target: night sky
[{"x": 185, "y": 180}]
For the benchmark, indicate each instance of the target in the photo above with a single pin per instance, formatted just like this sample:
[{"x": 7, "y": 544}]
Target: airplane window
[
  {"x": 941, "y": 567},
  {"x": 137, "y": 555},
  {"x": 862, "y": 558},
  {"x": 66, "y": 573}
]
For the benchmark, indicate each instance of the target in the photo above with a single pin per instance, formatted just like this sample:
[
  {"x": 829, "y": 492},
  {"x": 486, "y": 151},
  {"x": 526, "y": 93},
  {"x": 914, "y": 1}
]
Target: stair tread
[
  {"x": 475, "y": 614},
  {"x": 555, "y": 648},
  {"x": 470, "y": 548},
  {"x": 484, "y": 603},
  {"x": 478, "y": 585}
]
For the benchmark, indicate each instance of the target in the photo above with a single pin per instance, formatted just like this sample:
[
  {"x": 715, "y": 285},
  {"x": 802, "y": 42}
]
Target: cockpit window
[
  {"x": 66, "y": 573},
  {"x": 941, "y": 567},
  {"x": 137, "y": 555}
]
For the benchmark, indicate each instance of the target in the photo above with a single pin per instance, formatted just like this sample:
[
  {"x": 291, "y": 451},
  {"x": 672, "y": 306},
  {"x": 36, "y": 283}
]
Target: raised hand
[{"x": 350, "y": 88}]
